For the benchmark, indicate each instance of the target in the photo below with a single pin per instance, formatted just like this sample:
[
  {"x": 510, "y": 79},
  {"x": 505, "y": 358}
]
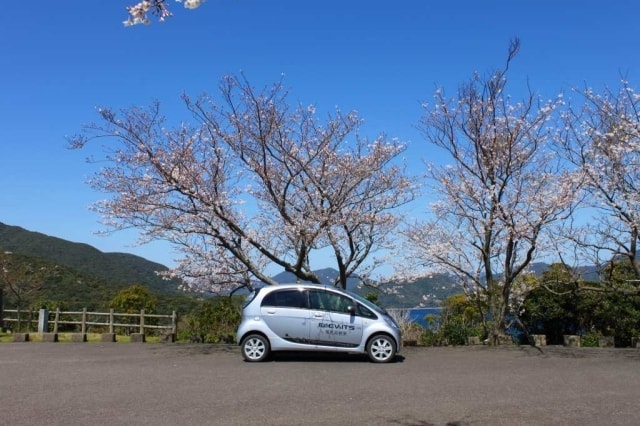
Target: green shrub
[
  {"x": 431, "y": 338},
  {"x": 213, "y": 321},
  {"x": 454, "y": 331},
  {"x": 459, "y": 320},
  {"x": 591, "y": 340}
]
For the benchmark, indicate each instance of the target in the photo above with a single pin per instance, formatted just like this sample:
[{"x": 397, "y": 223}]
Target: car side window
[
  {"x": 342, "y": 303},
  {"x": 285, "y": 299},
  {"x": 327, "y": 301},
  {"x": 316, "y": 300}
]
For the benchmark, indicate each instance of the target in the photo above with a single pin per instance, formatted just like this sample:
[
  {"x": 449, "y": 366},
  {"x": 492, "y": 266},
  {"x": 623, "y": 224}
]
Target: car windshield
[{"x": 369, "y": 304}]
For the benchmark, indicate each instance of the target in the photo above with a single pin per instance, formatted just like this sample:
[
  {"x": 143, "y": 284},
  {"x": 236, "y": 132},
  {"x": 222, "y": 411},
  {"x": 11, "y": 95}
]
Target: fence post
[
  {"x": 83, "y": 326},
  {"x": 82, "y": 336},
  {"x": 32, "y": 313},
  {"x": 139, "y": 337},
  {"x": 174, "y": 324},
  {"x": 110, "y": 336},
  {"x": 43, "y": 321},
  {"x": 55, "y": 320},
  {"x": 111, "y": 321},
  {"x": 169, "y": 336},
  {"x": 141, "y": 321},
  {"x": 18, "y": 334},
  {"x": 51, "y": 337}
]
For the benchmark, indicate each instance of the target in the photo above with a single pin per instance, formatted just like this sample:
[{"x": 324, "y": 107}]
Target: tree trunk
[{"x": 497, "y": 313}]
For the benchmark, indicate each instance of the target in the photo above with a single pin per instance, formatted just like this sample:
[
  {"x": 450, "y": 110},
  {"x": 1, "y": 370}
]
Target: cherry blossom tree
[
  {"x": 603, "y": 141},
  {"x": 139, "y": 12},
  {"x": 499, "y": 196},
  {"x": 252, "y": 183}
]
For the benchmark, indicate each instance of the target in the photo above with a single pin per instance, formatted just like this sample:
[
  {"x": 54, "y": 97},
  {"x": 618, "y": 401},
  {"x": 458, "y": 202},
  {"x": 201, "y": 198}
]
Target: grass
[{"x": 66, "y": 338}]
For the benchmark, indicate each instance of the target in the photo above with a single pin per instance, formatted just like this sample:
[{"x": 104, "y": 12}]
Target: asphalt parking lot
[{"x": 175, "y": 384}]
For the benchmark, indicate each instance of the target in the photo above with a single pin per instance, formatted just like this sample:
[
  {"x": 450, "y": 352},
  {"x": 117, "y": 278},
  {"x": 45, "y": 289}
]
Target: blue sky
[{"x": 62, "y": 59}]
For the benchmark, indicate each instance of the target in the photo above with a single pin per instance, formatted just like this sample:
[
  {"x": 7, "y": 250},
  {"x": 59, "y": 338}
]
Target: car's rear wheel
[
  {"x": 381, "y": 348},
  {"x": 255, "y": 348}
]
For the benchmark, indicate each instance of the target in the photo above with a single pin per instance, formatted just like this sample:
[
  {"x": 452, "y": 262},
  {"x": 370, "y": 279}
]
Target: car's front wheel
[
  {"x": 381, "y": 348},
  {"x": 255, "y": 348}
]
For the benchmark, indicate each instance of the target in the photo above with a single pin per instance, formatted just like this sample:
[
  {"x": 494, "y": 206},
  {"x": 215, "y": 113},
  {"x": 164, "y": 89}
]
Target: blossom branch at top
[{"x": 139, "y": 13}]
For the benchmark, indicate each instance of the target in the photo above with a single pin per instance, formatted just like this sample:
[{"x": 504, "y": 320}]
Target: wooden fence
[
  {"x": 19, "y": 320},
  {"x": 51, "y": 322}
]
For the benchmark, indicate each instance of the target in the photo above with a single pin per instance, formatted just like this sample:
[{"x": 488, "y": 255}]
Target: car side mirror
[{"x": 351, "y": 309}]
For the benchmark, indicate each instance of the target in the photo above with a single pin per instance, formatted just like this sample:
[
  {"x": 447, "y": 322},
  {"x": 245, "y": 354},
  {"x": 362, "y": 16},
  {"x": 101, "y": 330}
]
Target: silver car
[{"x": 308, "y": 317}]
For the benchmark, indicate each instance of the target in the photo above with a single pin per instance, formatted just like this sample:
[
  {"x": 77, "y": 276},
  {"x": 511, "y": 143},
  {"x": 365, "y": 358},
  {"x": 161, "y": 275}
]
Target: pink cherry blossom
[{"x": 250, "y": 183}]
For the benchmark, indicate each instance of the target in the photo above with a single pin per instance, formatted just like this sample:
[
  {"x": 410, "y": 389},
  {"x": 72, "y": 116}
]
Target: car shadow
[{"x": 323, "y": 357}]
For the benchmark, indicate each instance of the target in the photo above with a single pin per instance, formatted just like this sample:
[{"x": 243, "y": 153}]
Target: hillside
[
  {"x": 51, "y": 282},
  {"x": 85, "y": 274},
  {"x": 427, "y": 291},
  {"x": 424, "y": 292},
  {"x": 115, "y": 269},
  {"x": 90, "y": 274}
]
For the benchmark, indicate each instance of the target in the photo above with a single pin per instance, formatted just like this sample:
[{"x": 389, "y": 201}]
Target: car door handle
[
  {"x": 318, "y": 315},
  {"x": 271, "y": 311}
]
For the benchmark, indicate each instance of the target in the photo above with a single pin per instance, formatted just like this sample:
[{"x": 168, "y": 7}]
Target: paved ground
[{"x": 156, "y": 384}]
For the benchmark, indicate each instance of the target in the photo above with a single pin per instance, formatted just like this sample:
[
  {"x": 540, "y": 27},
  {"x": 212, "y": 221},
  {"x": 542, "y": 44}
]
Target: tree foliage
[
  {"x": 562, "y": 304},
  {"x": 133, "y": 299},
  {"x": 253, "y": 183}
]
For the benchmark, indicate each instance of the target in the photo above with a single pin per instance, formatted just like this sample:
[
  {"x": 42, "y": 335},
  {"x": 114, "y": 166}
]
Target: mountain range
[
  {"x": 116, "y": 269},
  {"x": 91, "y": 274}
]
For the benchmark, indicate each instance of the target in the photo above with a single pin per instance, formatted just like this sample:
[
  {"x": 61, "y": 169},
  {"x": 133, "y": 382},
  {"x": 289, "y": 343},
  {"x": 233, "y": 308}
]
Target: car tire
[
  {"x": 255, "y": 348},
  {"x": 381, "y": 348}
]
